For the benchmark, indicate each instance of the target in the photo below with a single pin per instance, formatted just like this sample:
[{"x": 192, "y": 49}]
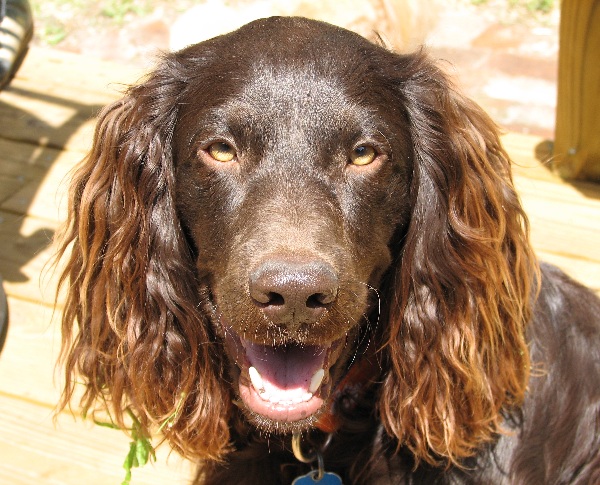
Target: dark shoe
[
  {"x": 3, "y": 316},
  {"x": 16, "y": 30}
]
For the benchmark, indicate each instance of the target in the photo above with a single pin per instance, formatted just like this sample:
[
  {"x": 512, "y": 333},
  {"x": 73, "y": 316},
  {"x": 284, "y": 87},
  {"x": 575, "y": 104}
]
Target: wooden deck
[{"x": 46, "y": 126}]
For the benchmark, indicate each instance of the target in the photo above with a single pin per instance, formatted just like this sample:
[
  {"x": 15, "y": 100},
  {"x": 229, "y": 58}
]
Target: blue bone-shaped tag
[{"x": 328, "y": 478}]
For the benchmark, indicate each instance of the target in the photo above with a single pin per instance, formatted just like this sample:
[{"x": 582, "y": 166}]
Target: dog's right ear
[
  {"x": 466, "y": 273},
  {"x": 134, "y": 334}
]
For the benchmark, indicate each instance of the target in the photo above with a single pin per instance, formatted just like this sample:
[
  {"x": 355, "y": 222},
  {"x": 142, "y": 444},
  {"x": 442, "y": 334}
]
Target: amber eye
[
  {"x": 363, "y": 155},
  {"x": 221, "y": 152}
]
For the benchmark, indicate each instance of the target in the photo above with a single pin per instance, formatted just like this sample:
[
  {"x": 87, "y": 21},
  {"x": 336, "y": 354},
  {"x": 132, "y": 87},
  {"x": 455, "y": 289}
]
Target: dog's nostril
[
  {"x": 274, "y": 299},
  {"x": 319, "y": 300}
]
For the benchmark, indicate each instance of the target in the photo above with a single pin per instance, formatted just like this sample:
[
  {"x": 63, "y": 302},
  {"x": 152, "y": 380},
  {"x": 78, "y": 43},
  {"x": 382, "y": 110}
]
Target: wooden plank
[
  {"x": 88, "y": 79},
  {"x": 585, "y": 271},
  {"x": 34, "y": 451},
  {"x": 564, "y": 217},
  {"x": 552, "y": 236},
  {"x": 74, "y": 452},
  {"x": 25, "y": 256},
  {"x": 577, "y": 144},
  {"x": 8, "y": 186},
  {"x": 46, "y": 119},
  {"x": 55, "y": 95},
  {"x": 21, "y": 164},
  {"x": 527, "y": 162},
  {"x": 45, "y": 197},
  {"x": 27, "y": 362},
  {"x": 25, "y": 159},
  {"x": 567, "y": 246},
  {"x": 563, "y": 204}
]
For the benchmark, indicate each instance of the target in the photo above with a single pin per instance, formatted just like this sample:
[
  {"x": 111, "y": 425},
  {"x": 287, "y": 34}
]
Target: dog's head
[
  {"x": 291, "y": 180},
  {"x": 269, "y": 204}
]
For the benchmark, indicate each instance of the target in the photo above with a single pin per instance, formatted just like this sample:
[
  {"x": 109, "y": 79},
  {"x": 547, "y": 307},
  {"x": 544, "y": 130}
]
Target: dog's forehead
[
  {"x": 293, "y": 61},
  {"x": 295, "y": 104},
  {"x": 293, "y": 88},
  {"x": 279, "y": 80}
]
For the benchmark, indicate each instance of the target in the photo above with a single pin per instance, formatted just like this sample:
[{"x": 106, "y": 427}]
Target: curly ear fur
[
  {"x": 142, "y": 341},
  {"x": 135, "y": 335},
  {"x": 465, "y": 273}
]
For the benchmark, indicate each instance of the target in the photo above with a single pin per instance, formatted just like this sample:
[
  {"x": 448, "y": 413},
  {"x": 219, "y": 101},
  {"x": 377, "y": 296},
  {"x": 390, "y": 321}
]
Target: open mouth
[{"x": 284, "y": 383}]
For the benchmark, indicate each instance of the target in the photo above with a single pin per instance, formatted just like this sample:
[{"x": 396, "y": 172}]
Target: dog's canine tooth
[
  {"x": 256, "y": 380},
  {"x": 316, "y": 380}
]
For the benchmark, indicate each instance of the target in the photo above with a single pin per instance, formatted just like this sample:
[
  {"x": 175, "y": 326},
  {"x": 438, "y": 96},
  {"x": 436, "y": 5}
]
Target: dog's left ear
[
  {"x": 134, "y": 334},
  {"x": 464, "y": 278}
]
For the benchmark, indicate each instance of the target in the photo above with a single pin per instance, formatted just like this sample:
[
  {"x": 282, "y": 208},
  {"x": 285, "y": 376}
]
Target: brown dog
[{"x": 289, "y": 229}]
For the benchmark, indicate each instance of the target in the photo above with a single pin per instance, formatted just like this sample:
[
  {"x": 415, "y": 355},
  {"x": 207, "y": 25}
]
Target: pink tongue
[{"x": 286, "y": 368}]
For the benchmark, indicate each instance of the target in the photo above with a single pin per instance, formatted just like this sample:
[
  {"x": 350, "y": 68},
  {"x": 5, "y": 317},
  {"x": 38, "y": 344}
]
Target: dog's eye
[
  {"x": 363, "y": 155},
  {"x": 221, "y": 152}
]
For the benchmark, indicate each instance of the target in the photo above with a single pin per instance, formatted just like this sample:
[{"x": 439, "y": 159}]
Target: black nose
[{"x": 293, "y": 292}]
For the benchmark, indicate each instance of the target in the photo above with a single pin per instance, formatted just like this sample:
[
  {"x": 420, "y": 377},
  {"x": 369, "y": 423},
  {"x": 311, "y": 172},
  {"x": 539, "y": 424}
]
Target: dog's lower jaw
[
  {"x": 281, "y": 416},
  {"x": 287, "y": 388}
]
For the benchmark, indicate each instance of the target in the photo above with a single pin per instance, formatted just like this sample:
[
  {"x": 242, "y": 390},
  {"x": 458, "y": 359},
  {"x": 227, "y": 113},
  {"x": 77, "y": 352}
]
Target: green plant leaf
[
  {"x": 131, "y": 458},
  {"x": 106, "y": 425},
  {"x": 127, "y": 480},
  {"x": 143, "y": 450}
]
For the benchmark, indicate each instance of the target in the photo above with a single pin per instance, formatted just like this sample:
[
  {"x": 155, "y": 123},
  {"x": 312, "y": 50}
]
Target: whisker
[{"x": 361, "y": 346}]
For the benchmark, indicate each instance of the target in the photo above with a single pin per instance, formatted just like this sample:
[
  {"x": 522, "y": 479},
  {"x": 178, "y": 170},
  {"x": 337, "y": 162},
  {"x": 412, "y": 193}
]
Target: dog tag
[{"x": 328, "y": 478}]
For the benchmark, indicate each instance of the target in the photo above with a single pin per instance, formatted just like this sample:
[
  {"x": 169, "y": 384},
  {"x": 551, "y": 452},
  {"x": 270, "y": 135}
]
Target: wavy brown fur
[
  {"x": 141, "y": 340},
  {"x": 457, "y": 347},
  {"x": 425, "y": 251}
]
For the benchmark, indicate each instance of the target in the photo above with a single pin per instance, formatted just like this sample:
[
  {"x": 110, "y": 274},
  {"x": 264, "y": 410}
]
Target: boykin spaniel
[{"x": 306, "y": 254}]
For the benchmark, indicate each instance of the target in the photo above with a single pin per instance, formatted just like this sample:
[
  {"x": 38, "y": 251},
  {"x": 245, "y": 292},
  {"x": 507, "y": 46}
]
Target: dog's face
[
  {"x": 292, "y": 177},
  {"x": 246, "y": 210}
]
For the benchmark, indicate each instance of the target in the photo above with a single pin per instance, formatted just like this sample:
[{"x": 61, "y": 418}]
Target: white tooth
[
  {"x": 256, "y": 379},
  {"x": 307, "y": 397},
  {"x": 316, "y": 380}
]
